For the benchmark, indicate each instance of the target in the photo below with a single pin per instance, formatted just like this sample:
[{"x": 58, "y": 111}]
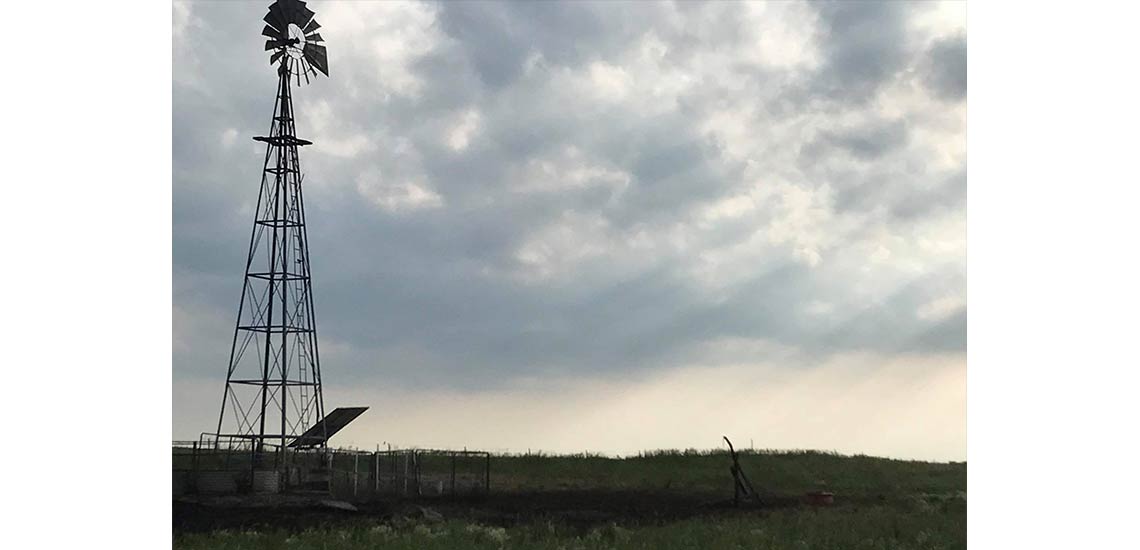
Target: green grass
[{"x": 790, "y": 473}]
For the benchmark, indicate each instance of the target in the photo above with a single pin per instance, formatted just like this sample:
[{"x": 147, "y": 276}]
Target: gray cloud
[
  {"x": 950, "y": 195},
  {"x": 945, "y": 68},
  {"x": 640, "y": 182},
  {"x": 498, "y": 37},
  {"x": 866, "y": 43},
  {"x": 871, "y": 141}
]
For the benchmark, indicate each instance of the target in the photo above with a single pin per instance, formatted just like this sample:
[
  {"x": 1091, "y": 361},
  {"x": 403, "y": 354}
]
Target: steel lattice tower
[{"x": 273, "y": 383}]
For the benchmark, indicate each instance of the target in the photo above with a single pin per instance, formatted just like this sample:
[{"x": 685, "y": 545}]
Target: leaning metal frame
[{"x": 275, "y": 315}]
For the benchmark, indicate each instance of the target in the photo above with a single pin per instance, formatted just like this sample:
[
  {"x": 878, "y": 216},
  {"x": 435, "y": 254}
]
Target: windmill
[
  {"x": 273, "y": 382},
  {"x": 293, "y": 39}
]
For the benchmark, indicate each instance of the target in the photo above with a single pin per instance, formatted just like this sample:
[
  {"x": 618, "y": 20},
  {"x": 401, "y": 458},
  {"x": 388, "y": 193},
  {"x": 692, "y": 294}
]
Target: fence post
[
  {"x": 283, "y": 475},
  {"x": 254, "y": 458},
  {"x": 375, "y": 473},
  {"x": 487, "y": 475},
  {"x": 407, "y": 457},
  {"x": 193, "y": 481},
  {"x": 453, "y": 474},
  {"x": 355, "y": 471}
]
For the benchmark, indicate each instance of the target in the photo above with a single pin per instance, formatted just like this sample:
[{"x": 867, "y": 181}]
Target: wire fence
[
  {"x": 211, "y": 467},
  {"x": 409, "y": 473}
]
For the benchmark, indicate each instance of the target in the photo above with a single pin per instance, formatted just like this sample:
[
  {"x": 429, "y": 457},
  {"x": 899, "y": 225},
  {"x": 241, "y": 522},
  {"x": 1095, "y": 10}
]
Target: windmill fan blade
[
  {"x": 273, "y": 44},
  {"x": 315, "y": 37},
  {"x": 318, "y": 56},
  {"x": 288, "y": 8},
  {"x": 312, "y": 26},
  {"x": 271, "y": 32},
  {"x": 276, "y": 18},
  {"x": 276, "y": 55},
  {"x": 301, "y": 15}
]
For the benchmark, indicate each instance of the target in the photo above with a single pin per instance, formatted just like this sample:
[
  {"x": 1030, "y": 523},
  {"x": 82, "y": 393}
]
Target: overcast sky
[{"x": 601, "y": 227}]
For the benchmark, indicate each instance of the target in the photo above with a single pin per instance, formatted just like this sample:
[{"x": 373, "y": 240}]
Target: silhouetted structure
[
  {"x": 741, "y": 487},
  {"x": 273, "y": 383}
]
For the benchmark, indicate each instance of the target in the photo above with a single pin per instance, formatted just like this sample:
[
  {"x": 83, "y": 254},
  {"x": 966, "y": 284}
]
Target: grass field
[
  {"x": 707, "y": 472},
  {"x": 657, "y": 500}
]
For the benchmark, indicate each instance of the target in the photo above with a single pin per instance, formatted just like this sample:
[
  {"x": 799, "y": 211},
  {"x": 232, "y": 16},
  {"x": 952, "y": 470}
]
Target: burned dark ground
[{"x": 581, "y": 509}]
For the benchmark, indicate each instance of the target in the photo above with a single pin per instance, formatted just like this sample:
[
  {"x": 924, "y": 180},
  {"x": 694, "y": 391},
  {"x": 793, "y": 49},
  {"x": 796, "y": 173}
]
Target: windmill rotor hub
[{"x": 295, "y": 45}]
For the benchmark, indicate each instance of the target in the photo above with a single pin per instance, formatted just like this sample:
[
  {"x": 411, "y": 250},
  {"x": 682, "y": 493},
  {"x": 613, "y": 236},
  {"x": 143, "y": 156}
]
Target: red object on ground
[{"x": 821, "y": 498}]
